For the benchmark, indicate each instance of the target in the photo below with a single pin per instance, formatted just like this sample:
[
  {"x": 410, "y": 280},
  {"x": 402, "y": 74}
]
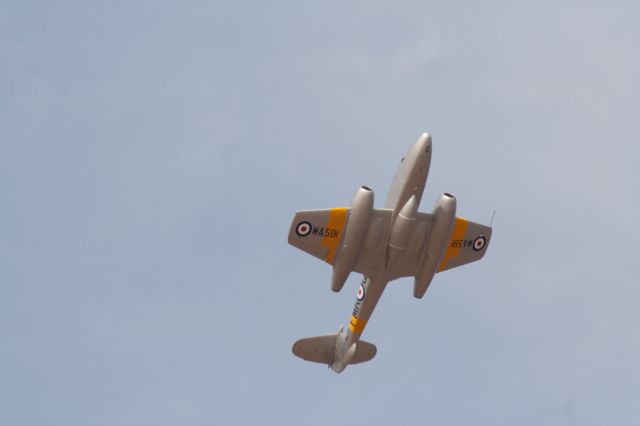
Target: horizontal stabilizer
[{"x": 320, "y": 349}]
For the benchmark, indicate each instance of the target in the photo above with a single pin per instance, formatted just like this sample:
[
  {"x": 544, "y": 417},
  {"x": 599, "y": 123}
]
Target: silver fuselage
[{"x": 409, "y": 181}]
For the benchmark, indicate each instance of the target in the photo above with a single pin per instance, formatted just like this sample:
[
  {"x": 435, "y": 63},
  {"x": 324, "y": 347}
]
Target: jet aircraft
[{"x": 383, "y": 245}]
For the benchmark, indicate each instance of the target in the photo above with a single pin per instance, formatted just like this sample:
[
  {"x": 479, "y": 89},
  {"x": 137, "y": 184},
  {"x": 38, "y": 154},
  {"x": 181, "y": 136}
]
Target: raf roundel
[
  {"x": 479, "y": 243},
  {"x": 361, "y": 292},
  {"x": 303, "y": 229}
]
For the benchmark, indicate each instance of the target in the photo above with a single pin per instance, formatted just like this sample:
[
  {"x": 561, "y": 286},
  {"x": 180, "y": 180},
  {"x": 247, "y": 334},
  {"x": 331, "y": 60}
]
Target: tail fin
[{"x": 321, "y": 349}]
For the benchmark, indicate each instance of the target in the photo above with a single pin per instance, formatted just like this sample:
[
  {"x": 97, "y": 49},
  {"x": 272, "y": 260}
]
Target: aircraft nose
[{"x": 425, "y": 143}]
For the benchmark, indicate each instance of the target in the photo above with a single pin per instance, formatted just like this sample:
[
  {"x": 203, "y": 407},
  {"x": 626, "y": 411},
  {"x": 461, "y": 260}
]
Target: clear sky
[{"x": 152, "y": 155}]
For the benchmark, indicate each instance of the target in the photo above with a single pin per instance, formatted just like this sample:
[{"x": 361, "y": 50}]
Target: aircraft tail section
[{"x": 328, "y": 350}]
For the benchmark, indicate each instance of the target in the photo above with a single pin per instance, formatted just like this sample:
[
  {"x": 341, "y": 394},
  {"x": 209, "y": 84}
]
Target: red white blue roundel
[
  {"x": 361, "y": 292},
  {"x": 303, "y": 229},
  {"x": 479, "y": 243}
]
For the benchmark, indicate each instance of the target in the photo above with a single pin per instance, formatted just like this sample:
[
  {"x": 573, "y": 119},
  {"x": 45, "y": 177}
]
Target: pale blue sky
[{"x": 152, "y": 155}]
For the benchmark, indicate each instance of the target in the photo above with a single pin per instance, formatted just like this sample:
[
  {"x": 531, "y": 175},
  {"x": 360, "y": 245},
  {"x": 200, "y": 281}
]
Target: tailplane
[{"x": 330, "y": 351}]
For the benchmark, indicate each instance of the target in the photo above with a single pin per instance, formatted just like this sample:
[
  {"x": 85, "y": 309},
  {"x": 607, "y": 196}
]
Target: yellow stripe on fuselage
[
  {"x": 337, "y": 219},
  {"x": 356, "y": 325},
  {"x": 458, "y": 232}
]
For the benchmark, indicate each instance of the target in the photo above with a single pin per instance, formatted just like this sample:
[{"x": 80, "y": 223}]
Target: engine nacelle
[
  {"x": 444, "y": 214},
  {"x": 401, "y": 229},
  {"x": 354, "y": 233}
]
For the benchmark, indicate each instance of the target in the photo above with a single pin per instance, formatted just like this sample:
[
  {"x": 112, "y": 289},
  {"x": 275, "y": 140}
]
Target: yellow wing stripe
[
  {"x": 357, "y": 325},
  {"x": 458, "y": 233},
  {"x": 337, "y": 219}
]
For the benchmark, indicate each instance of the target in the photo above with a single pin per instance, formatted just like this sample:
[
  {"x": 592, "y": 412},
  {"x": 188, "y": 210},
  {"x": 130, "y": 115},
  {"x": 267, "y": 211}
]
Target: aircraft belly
[
  {"x": 411, "y": 177},
  {"x": 367, "y": 298}
]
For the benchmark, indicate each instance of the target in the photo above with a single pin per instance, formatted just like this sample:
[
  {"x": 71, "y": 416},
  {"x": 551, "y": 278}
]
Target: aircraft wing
[
  {"x": 468, "y": 243},
  {"x": 319, "y": 233}
]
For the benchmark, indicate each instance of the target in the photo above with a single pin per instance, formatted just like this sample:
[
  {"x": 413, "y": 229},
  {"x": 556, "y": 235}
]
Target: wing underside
[
  {"x": 468, "y": 243},
  {"x": 320, "y": 232}
]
